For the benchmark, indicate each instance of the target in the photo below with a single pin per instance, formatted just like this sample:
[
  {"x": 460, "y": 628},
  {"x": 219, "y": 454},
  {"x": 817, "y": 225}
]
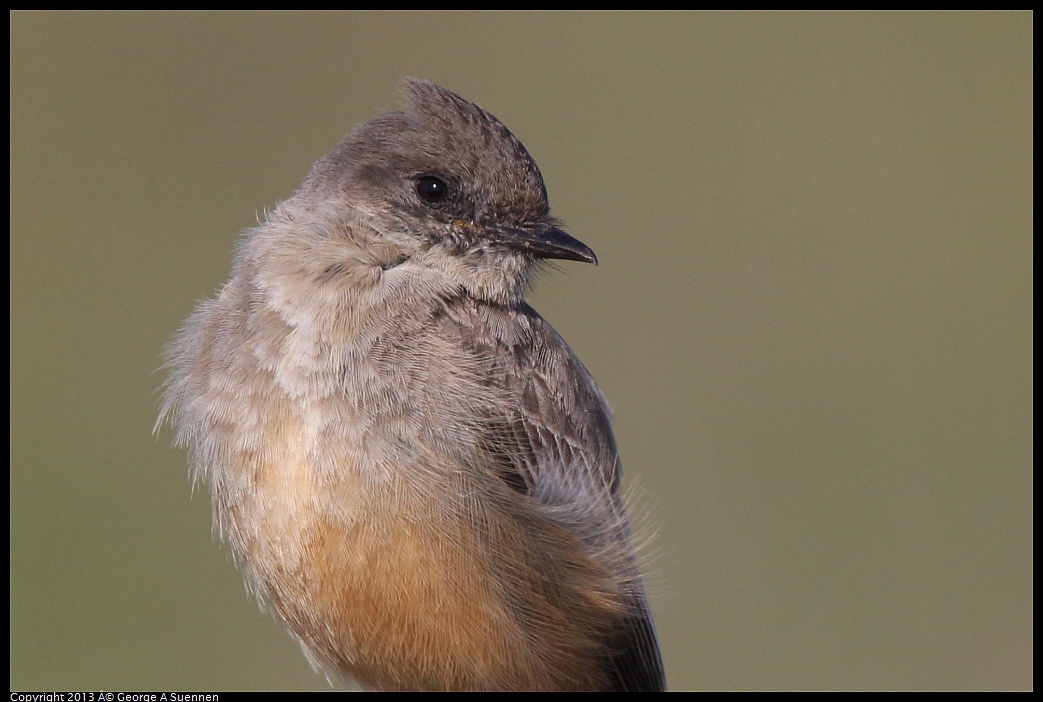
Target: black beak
[{"x": 544, "y": 241}]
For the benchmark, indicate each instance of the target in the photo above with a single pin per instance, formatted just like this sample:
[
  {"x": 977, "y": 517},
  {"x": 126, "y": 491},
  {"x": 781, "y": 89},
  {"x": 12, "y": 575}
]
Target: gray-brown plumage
[{"x": 412, "y": 468}]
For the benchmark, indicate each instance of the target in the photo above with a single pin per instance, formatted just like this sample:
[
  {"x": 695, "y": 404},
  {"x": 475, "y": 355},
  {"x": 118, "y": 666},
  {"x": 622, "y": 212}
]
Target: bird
[{"x": 413, "y": 470}]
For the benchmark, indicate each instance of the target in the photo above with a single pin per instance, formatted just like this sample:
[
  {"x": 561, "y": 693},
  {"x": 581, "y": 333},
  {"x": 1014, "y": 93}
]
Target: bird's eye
[{"x": 432, "y": 189}]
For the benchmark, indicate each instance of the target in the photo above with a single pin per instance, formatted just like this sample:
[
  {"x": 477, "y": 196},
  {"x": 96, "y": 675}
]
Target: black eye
[{"x": 432, "y": 189}]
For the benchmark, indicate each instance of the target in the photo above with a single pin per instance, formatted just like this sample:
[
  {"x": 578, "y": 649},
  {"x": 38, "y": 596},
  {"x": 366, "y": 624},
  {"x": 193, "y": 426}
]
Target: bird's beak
[{"x": 544, "y": 241}]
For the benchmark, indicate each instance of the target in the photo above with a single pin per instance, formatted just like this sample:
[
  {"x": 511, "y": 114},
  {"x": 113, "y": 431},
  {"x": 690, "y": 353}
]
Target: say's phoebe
[{"x": 414, "y": 471}]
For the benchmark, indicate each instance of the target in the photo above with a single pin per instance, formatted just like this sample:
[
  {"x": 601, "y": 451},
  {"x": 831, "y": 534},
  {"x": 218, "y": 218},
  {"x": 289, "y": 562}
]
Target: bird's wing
[{"x": 558, "y": 444}]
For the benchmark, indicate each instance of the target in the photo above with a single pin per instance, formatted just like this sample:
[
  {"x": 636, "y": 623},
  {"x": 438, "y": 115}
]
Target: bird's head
[{"x": 443, "y": 188}]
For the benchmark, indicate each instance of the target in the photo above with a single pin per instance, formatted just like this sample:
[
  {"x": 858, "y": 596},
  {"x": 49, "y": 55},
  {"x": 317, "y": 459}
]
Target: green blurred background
[{"x": 812, "y": 317}]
